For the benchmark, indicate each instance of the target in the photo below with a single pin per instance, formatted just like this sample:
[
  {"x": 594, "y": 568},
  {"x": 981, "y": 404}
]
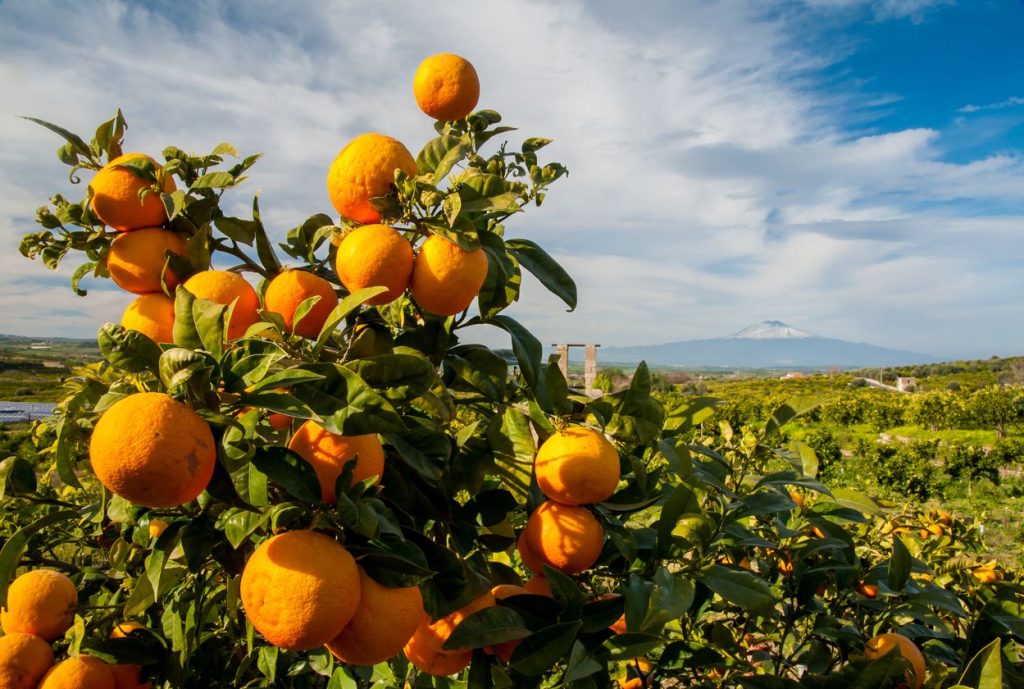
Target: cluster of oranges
[
  {"x": 575, "y": 467},
  {"x": 441, "y": 277},
  {"x": 40, "y": 607}
]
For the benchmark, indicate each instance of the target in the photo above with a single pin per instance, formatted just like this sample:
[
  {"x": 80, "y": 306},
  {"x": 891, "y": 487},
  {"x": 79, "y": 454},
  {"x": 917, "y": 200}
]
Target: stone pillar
[
  {"x": 563, "y": 359},
  {"x": 590, "y": 370}
]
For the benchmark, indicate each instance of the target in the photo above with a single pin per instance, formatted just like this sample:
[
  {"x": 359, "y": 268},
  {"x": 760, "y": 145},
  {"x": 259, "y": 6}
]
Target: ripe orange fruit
[
  {"x": 152, "y": 450},
  {"x": 424, "y": 648},
  {"x": 328, "y": 453},
  {"x": 538, "y": 585},
  {"x": 882, "y": 644},
  {"x": 115, "y": 196},
  {"x": 40, "y": 602},
  {"x": 796, "y": 498},
  {"x": 384, "y": 621},
  {"x": 81, "y": 672},
  {"x": 128, "y": 676},
  {"x": 867, "y": 590},
  {"x": 566, "y": 537},
  {"x": 300, "y": 589},
  {"x": 137, "y": 258},
  {"x": 577, "y": 466},
  {"x": 156, "y": 528},
  {"x": 24, "y": 659},
  {"x": 530, "y": 559},
  {"x": 289, "y": 289},
  {"x": 372, "y": 256},
  {"x": 446, "y": 87},
  {"x": 279, "y": 421},
  {"x": 365, "y": 169},
  {"x": 224, "y": 287},
  {"x": 445, "y": 277},
  {"x": 152, "y": 315},
  {"x": 644, "y": 667}
]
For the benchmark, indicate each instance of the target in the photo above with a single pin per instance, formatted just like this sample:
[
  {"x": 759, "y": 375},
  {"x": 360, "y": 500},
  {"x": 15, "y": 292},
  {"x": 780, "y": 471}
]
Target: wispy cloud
[
  {"x": 1010, "y": 102},
  {"x": 712, "y": 183}
]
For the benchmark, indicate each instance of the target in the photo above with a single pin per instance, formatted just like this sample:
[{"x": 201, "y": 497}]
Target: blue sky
[{"x": 852, "y": 167}]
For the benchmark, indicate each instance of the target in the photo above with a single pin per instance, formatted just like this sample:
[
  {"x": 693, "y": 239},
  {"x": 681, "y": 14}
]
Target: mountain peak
[{"x": 770, "y": 330}]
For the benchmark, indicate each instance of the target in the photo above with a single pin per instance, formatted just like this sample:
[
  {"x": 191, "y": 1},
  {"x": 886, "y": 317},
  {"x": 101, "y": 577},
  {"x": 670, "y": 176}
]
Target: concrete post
[
  {"x": 563, "y": 359},
  {"x": 590, "y": 370}
]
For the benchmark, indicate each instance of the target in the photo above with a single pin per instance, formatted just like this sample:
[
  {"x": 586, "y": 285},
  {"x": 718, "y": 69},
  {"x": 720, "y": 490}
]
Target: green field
[
  {"x": 956, "y": 442},
  {"x": 32, "y": 369}
]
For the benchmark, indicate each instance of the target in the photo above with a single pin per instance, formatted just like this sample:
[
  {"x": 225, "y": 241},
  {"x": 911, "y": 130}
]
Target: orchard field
[
  {"x": 955, "y": 442},
  {"x": 290, "y": 469}
]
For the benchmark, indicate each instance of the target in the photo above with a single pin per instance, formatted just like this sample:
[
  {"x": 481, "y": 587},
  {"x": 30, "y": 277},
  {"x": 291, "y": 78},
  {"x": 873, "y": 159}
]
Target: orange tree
[{"x": 302, "y": 476}]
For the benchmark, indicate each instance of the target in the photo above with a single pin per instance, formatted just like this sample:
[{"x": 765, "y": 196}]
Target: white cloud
[
  {"x": 710, "y": 184},
  {"x": 1012, "y": 101}
]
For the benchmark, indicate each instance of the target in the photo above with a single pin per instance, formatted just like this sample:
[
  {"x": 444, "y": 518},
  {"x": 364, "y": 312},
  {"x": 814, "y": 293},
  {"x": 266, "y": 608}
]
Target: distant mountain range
[{"x": 769, "y": 344}]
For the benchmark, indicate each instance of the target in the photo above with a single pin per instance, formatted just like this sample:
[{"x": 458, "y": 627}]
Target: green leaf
[
  {"x": 452, "y": 157},
  {"x": 185, "y": 333},
  {"x": 985, "y": 671},
  {"x": 79, "y": 145},
  {"x": 80, "y": 272},
  {"x": 682, "y": 500},
  {"x": 544, "y": 268},
  {"x": 178, "y": 366},
  {"x": 808, "y": 458},
  {"x": 580, "y": 664},
  {"x": 347, "y": 404},
  {"x": 487, "y": 627},
  {"x": 290, "y": 471},
  {"x": 215, "y": 180},
  {"x": 739, "y": 588},
  {"x": 400, "y": 377},
  {"x": 242, "y": 231},
  {"x": 156, "y": 561},
  {"x": 263, "y": 248},
  {"x": 128, "y": 350},
  {"x": 210, "y": 320},
  {"x": 344, "y": 308},
  {"x": 798, "y": 406},
  {"x": 15, "y": 546},
  {"x": 525, "y": 346},
  {"x": 67, "y": 443},
  {"x": 479, "y": 368},
  {"x": 16, "y": 476},
  {"x": 856, "y": 500},
  {"x": 899, "y": 565},
  {"x": 539, "y": 652},
  {"x": 433, "y": 152}
]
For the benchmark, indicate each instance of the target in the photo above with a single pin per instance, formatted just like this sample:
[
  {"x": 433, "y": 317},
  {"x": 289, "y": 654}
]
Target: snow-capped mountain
[
  {"x": 769, "y": 330},
  {"x": 769, "y": 344}
]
